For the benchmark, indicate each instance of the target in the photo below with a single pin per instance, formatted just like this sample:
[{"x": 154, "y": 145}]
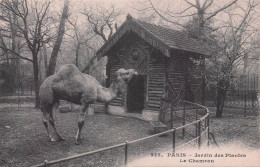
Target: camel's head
[{"x": 125, "y": 75}]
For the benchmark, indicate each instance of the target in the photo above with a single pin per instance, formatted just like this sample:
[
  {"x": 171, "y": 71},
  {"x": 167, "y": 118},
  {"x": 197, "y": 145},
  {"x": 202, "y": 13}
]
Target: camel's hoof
[
  {"x": 62, "y": 139},
  {"x": 79, "y": 141}
]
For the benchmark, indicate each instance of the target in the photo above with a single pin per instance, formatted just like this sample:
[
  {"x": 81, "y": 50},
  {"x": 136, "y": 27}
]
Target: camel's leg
[
  {"x": 46, "y": 116},
  {"x": 81, "y": 120},
  {"x": 51, "y": 120}
]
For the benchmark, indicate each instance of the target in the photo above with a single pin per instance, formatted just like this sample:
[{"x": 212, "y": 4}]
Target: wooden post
[
  {"x": 205, "y": 126},
  {"x": 126, "y": 147},
  {"x": 199, "y": 133},
  {"x": 208, "y": 130},
  {"x": 245, "y": 91},
  {"x": 257, "y": 81},
  {"x": 46, "y": 163},
  {"x": 183, "y": 121},
  {"x": 248, "y": 88},
  {"x": 173, "y": 140},
  {"x": 254, "y": 93},
  {"x": 18, "y": 95},
  {"x": 106, "y": 104},
  {"x": 203, "y": 83},
  {"x": 196, "y": 119},
  {"x": 171, "y": 116},
  {"x": 108, "y": 78}
]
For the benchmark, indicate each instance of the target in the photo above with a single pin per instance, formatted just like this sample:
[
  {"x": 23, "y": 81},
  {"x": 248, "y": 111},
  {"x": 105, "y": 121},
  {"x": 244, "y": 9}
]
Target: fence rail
[{"x": 199, "y": 132}]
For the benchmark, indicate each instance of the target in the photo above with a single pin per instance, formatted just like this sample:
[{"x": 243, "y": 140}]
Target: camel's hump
[{"x": 67, "y": 70}]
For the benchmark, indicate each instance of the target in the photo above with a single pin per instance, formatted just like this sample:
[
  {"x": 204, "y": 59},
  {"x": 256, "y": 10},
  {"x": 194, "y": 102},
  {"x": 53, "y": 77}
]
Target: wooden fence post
[
  {"x": 199, "y": 130},
  {"x": 196, "y": 119},
  {"x": 45, "y": 163},
  {"x": 205, "y": 122},
  {"x": 171, "y": 116},
  {"x": 183, "y": 121},
  {"x": 245, "y": 94},
  {"x": 173, "y": 140},
  {"x": 126, "y": 147},
  {"x": 253, "y": 93},
  {"x": 208, "y": 130}
]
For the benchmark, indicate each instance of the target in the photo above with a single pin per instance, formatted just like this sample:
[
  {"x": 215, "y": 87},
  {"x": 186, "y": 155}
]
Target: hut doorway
[{"x": 135, "y": 94}]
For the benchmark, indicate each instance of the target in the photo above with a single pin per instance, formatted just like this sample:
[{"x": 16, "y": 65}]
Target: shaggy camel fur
[{"x": 71, "y": 85}]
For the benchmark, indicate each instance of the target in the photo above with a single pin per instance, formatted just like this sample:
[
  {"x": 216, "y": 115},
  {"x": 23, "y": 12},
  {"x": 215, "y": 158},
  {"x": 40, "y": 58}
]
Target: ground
[{"x": 24, "y": 141}]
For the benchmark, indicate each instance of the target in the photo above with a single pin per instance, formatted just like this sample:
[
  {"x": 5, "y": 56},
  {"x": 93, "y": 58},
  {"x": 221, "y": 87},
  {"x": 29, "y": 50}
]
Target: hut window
[{"x": 135, "y": 55}]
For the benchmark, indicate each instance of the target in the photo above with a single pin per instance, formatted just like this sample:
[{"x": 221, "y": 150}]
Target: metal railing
[{"x": 200, "y": 130}]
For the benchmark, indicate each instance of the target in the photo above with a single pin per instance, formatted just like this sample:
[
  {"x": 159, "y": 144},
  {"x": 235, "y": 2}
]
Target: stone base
[{"x": 147, "y": 115}]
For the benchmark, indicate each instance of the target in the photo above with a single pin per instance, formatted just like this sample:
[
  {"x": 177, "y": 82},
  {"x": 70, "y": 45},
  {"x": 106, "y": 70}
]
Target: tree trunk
[
  {"x": 222, "y": 88},
  {"x": 77, "y": 55},
  {"x": 40, "y": 69},
  {"x": 13, "y": 71},
  {"x": 45, "y": 57},
  {"x": 88, "y": 68},
  {"x": 36, "y": 80},
  {"x": 56, "y": 48}
]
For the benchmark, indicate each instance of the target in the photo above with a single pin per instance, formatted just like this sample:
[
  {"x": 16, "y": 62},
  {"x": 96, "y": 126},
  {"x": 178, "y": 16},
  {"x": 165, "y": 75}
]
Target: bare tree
[
  {"x": 31, "y": 26},
  {"x": 201, "y": 10},
  {"x": 231, "y": 43},
  {"x": 103, "y": 21},
  {"x": 10, "y": 58},
  {"x": 81, "y": 38},
  {"x": 34, "y": 27},
  {"x": 56, "y": 48}
]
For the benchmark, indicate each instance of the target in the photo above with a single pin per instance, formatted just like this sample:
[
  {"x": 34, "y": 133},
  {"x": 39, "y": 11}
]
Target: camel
[{"x": 71, "y": 85}]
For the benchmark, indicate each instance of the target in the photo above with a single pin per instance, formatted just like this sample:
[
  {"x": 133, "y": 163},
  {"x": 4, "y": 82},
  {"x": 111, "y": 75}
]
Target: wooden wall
[
  {"x": 120, "y": 57},
  {"x": 155, "y": 80},
  {"x": 183, "y": 73},
  {"x": 185, "y": 77},
  {"x": 151, "y": 65}
]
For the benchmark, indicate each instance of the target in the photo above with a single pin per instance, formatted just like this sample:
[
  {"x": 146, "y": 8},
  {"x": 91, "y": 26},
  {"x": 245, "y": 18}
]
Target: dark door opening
[{"x": 135, "y": 94}]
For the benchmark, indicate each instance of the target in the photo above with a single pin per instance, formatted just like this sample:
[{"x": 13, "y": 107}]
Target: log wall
[
  {"x": 185, "y": 78},
  {"x": 156, "y": 80},
  {"x": 151, "y": 65},
  {"x": 184, "y": 75}
]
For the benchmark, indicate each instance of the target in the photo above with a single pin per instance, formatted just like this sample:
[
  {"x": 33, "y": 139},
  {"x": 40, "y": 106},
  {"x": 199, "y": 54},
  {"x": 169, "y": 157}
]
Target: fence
[
  {"x": 30, "y": 91},
  {"x": 201, "y": 125},
  {"x": 241, "y": 97}
]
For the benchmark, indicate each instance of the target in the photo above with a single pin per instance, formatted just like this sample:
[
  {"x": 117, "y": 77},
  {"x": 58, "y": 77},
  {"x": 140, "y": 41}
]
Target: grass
[
  {"x": 232, "y": 129},
  {"x": 24, "y": 141}
]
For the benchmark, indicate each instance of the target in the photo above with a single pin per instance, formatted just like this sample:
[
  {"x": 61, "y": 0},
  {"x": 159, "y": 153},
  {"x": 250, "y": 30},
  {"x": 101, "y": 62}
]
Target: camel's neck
[{"x": 108, "y": 94}]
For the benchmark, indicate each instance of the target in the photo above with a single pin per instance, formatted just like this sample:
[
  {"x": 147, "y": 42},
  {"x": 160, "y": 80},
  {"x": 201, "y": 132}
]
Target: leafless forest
[{"x": 38, "y": 36}]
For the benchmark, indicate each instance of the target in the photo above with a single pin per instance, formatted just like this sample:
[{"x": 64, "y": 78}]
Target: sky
[{"x": 127, "y": 6}]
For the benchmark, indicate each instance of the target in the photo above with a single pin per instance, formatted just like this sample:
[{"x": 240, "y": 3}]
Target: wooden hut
[{"x": 170, "y": 65}]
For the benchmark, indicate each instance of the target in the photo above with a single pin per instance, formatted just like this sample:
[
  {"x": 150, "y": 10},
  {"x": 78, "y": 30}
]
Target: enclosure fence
[
  {"x": 188, "y": 110},
  {"x": 241, "y": 97}
]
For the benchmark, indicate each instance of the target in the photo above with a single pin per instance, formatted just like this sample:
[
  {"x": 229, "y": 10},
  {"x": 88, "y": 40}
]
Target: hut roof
[{"x": 164, "y": 39}]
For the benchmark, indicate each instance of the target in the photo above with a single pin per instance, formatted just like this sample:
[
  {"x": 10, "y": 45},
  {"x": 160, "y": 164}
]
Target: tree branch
[
  {"x": 221, "y": 9},
  {"x": 166, "y": 19},
  {"x": 16, "y": 54}
]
